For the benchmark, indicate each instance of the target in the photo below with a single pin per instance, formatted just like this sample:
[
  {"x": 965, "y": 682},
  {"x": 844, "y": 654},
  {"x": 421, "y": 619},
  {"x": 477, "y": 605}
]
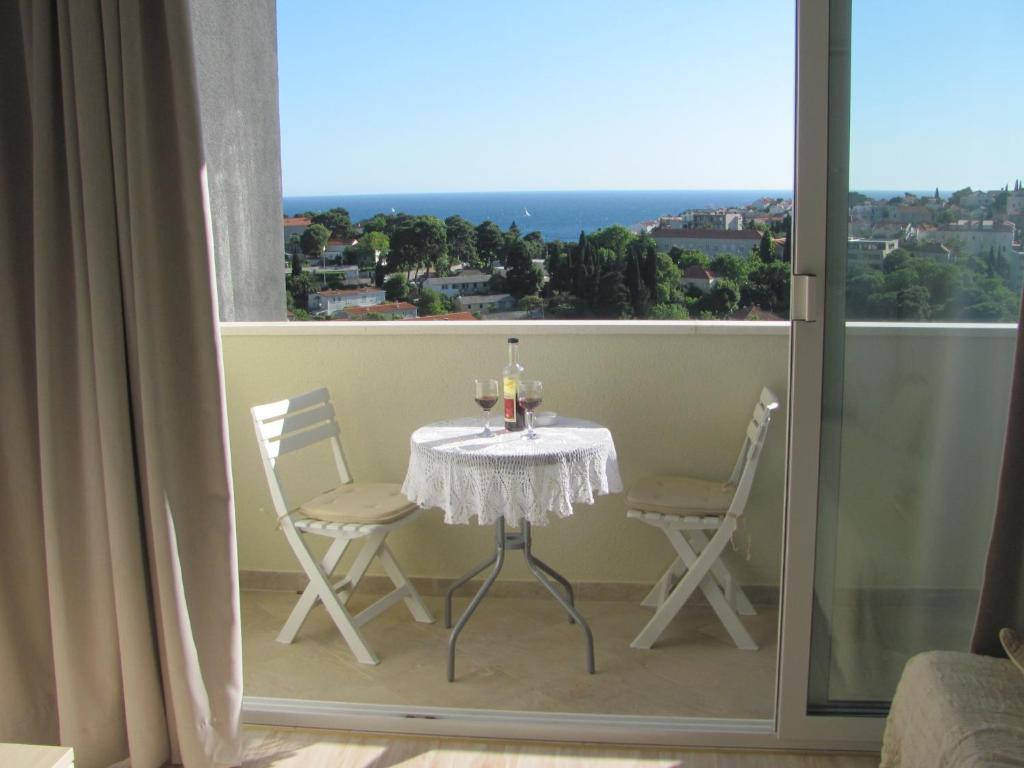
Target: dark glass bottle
[{"x": 511, "y": 376}]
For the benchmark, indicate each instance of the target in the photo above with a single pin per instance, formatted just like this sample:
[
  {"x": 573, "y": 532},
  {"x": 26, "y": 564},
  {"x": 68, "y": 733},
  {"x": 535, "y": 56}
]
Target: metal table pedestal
[{"x": 541, "y": 571}]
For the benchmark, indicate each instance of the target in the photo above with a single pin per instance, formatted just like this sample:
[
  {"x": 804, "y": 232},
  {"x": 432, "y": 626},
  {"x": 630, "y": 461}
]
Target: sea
[{"x": 556, "y": 215}]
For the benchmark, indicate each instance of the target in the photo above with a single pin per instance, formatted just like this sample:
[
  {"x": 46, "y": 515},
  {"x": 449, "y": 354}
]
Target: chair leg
[
  {"x": 323, "y": 590},
  {"x": 664, "y": 585},
  {"x": 725, "y": 578},
  {"x": 697, "y": 576},
  {"x": 710, "y": 588},
  {"x": 309, "y": 595},
  {"x": 413, "y": 601}
]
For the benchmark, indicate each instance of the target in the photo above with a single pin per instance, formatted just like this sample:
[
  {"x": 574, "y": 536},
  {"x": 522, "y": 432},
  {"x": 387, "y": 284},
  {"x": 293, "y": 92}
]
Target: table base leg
[
  {"x": 450, "y": 593},
  {"x": 540, "y": 570}
]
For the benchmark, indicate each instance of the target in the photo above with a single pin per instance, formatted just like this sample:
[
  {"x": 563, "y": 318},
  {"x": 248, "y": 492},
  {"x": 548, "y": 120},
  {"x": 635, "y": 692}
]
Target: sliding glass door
[{"x": 921, "y": 292}]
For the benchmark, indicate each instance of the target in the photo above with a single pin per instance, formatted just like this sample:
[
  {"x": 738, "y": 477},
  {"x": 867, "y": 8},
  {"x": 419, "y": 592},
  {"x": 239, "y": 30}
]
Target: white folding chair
[
  {"x": 347, "y": 512},
  {"x": 688, "y": 511}
]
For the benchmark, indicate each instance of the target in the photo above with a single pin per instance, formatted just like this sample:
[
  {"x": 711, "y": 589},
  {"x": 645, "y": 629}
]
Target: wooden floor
[
  {"x": 517, "y": 654},
  {"x": 300, "y": 748}
]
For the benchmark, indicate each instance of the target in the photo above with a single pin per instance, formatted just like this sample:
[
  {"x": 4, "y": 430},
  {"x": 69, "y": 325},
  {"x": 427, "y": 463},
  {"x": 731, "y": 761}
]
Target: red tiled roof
[
  {"x": 754, "y": 312},
  {"x": 708, "y": 234},
  {"x": 697, "y": 272},
  {"x": 381, "y": 309},
  {"x": 449, "y": 316},
  {"x": 297, "y": 221}
]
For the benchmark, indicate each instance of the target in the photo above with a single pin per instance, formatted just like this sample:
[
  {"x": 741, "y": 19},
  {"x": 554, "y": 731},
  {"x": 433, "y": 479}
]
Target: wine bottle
[{"x": 511, "y": 375}]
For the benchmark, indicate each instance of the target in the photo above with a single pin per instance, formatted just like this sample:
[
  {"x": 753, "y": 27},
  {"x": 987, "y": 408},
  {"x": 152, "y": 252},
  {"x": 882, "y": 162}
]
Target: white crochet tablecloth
[{"x": 453, "y": 467}]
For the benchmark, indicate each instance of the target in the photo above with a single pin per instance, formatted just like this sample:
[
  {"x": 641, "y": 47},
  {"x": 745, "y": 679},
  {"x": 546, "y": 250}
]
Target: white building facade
[
  {"x": 333, "y": 301},
  {"x": 709, "y": 241}
]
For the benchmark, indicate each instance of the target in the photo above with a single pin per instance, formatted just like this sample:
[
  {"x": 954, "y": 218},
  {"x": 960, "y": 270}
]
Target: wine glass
[
  {"x": 531, "y": 394},
  {"x": 486, "y": 397}
]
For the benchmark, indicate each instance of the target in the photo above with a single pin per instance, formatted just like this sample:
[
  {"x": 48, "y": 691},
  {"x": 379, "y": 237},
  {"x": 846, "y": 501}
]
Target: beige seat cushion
[
  {"x": 674, "y": 495},
  {"x": 359, "y": 503}
]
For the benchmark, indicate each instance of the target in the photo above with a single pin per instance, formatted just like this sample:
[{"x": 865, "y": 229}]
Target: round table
[{"x": 507, "y": 478}]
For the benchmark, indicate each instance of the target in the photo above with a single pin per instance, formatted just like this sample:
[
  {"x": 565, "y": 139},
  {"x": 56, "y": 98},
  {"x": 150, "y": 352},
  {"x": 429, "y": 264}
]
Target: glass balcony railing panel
[{"x": 676, "y": 399}]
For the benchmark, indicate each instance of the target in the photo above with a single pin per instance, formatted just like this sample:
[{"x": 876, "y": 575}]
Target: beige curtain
[
  {"x": 1002, "y": 592},
  {"x": 119, "y": 619}
]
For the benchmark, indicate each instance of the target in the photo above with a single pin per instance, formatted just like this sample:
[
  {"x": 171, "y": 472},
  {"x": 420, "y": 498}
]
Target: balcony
[{"x": 676, "y": 397}]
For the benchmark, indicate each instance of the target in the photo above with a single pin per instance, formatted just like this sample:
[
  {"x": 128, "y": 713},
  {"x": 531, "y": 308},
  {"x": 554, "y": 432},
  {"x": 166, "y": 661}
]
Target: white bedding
[{"x": 956, "y": 710}]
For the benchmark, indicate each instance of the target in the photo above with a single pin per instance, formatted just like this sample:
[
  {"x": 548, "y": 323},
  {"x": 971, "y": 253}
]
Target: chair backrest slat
[
  {"x": 304, "y": 439},
  {"x": 282, "y": 427},
  {"x": 750, "y": 453},
  {"x": 280, "y": 408},
  {"x": 290, "y": 425}
]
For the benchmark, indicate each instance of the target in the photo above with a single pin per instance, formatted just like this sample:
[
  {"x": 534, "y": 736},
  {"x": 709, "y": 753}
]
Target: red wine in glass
[
  {"x": 531, "y": 394},
  {"x": 486, "y": 397}
]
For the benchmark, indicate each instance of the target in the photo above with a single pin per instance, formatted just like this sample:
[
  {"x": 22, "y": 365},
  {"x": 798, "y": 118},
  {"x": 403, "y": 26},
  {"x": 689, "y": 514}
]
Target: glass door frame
[{"x": 822, "y": 165}]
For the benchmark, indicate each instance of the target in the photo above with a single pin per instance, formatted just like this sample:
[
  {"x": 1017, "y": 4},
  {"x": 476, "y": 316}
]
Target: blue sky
[{"x": 454, "y": 95}]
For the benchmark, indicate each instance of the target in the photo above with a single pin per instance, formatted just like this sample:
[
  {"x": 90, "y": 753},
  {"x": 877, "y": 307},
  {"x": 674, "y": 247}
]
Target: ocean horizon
[
  {"x": 560, "y": 215},
  {"x": 557, "y": 215}
]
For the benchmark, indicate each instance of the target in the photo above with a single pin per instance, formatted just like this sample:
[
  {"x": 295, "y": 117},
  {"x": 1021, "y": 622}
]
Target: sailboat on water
[{"x": 526, "y": 212}]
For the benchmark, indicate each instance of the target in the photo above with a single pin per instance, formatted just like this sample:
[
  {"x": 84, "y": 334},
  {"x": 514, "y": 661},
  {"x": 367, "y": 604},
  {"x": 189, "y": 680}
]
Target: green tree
[
  {"x": 297, "y": 263},
  {"x": 684, "y": 259},
  {"x": 639, "y": 294},
  {"x": 489, "y": 241},
  {"x": 521, "y": 277},
  {"x": 461, "y": 237},
  {"x": 615, "y": 238},
  {"x": 431, "y": 302},
  {"x": 723, "y": 298},
  {"x": 669, "y": 312},
  {"x": 294, "y": 244},
  {"x": 766, "y": 248},
  {"x": 337, "y": 222},
  {"x": 563, "y": 305},
  {"x": 530, "y": 303},
  {"x": 314, "y": 239},
  {"x": 365, "y": 253},
  {"x": 419, "y": 241},
  {"x": 667, "y": 279},
  {"x": 299, "y": 287},
  {"x": 612, "y": 296},
  {"x": 559, "y": 267},
  {"x": 730, "y": 266},
  {"x": 767, "y": 286},
  {"x": 396, "y": 288}
]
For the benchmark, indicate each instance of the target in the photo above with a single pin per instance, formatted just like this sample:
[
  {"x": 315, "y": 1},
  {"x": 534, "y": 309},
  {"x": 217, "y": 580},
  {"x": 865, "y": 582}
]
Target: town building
[
  {"x": 335, "y": 249},
  {"x": 870, "y": 251},
  {"x": 494, "y": 302},
  {"x": 702, "y": 279},
  {"x": 465, "y": 283},
  {"x": 934, "y": 251},
  {"x": 709, "y": 241},
  {"x": 295, "y": 225},
  {"x": 682, "y": 221},
  {"x": 333, "y": 301},
  {"x": 728, "y": 220},
  {"x": 391, "y": 310},
  {"x": 973, "y": 238},
  {"x": 912, "y": 214}
]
